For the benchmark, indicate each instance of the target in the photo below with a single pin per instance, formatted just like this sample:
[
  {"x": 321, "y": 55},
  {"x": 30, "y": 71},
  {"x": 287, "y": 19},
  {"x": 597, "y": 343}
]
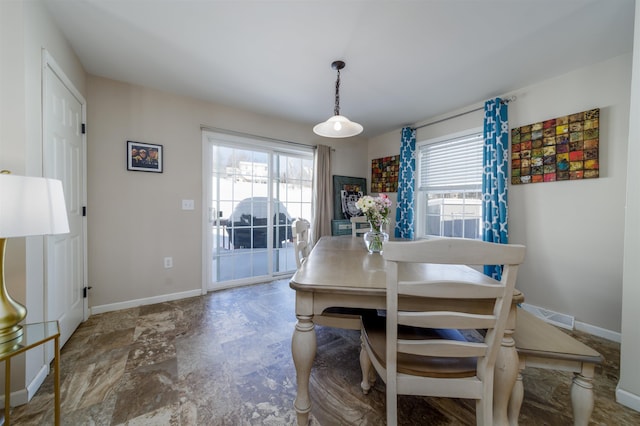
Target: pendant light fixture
[{"x": 338, "y": 126}]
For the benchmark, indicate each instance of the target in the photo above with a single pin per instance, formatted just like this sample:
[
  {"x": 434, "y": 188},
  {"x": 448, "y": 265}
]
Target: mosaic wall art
[
  {"x": 563, "y": 148},
  {"x": 384, "y": 174}
]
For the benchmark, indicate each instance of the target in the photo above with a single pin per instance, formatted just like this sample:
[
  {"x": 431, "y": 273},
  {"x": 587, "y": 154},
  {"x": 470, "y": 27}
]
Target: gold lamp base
[
  {"x": 11, "y": 338},
  {"x": 11, "y": 312}
]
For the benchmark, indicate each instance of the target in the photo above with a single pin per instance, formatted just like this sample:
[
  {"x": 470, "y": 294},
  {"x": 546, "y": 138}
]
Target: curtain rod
[
  {"x": 504, "y": 101},
  {"x": 242, "y": 134}
]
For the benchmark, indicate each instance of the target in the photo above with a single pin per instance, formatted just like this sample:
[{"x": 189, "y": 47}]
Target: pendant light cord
[{"x": 336, "y": 109}]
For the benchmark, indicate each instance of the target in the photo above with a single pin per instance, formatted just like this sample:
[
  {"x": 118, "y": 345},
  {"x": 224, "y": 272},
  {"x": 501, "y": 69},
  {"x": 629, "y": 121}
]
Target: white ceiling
[{"x": 405, "y": 60}]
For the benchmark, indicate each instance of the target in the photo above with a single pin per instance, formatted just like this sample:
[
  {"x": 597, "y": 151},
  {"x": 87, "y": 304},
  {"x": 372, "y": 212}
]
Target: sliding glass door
[{"x": 256, "y": 189}]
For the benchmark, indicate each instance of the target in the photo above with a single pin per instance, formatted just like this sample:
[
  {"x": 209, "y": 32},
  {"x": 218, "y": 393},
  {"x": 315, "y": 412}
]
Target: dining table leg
[
  {"x": 303, "y": 351},
  {"x": 505, "y": 375}
]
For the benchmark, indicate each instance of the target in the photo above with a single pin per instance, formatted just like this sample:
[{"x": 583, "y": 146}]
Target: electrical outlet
[
  {"x": 188, "y": 205},
  {"x": 168, "y": 262}
]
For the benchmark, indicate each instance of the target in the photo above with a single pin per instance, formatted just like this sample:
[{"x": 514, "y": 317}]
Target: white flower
[{"x": 375, "y": 209}]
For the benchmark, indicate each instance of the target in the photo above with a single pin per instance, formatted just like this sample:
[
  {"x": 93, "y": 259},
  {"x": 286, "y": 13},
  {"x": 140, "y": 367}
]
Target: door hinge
[
  {"x": 84, "y": 128},
  {"x": 85, "y": 291},
  {"x": 84, "y": 211}
]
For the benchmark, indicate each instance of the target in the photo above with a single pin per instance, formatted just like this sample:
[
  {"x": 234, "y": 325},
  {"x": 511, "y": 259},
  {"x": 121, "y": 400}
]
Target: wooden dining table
[{"x": 341, "y": 273}]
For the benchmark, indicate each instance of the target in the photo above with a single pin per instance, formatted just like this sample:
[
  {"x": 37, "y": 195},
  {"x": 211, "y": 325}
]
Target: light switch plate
[{"x": 188, "y": 205}]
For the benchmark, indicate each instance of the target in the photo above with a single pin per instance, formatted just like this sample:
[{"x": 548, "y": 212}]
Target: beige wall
[
  {"x": 135, "y": 219},
  {"x": 25, "y": 29},
  {"x": 13, "y": 126},
  {"x": 573, "y": 230}
]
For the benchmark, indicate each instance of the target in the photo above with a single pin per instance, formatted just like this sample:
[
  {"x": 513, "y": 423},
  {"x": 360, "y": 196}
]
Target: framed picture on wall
[
  {"x": 144, "y": 157},
  {"x": 346, "y": 191},
  {"x": 384, "y": 174}
]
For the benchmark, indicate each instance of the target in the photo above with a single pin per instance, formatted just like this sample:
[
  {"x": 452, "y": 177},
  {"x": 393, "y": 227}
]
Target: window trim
[{"x": 271, "y": 148}]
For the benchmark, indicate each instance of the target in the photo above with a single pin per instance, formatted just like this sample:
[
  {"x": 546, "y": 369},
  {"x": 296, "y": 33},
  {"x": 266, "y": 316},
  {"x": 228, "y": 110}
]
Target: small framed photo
[{"x": 144, "y": 157}]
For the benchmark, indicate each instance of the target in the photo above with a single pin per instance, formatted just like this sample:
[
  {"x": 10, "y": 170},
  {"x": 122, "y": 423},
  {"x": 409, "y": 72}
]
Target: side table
[{"x": 35, "y": 334}]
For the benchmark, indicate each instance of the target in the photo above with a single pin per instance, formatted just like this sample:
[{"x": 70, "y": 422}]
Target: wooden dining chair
[
  {"x": 357, "y": 227},
  {"x": 302, "y": 246},
  {"x": 424, "y": 353}
]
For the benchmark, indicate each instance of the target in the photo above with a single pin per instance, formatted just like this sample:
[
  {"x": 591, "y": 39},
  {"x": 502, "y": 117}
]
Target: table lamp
[{"x": 28, "y": 206}]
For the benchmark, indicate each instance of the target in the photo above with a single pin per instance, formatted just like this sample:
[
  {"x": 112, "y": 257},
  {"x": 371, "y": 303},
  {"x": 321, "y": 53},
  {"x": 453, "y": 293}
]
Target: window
[
  {"x": 449, "y": 182},
  {"x": 256, "y": 188}
]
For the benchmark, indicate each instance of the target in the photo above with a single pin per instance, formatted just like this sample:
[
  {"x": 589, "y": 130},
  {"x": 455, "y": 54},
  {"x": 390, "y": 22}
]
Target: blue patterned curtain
[
  {"x": 406, "y": 183},
  {"x": 495, "y": 175}
]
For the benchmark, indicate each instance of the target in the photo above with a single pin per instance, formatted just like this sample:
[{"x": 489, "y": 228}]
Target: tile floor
[{"x": 225, "y": 359}]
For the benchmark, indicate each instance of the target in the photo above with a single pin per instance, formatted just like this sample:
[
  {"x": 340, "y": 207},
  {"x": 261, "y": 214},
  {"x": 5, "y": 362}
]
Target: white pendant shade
[
  {"x": 31, "y": 206},
  {"x": 338, "y": 126}
]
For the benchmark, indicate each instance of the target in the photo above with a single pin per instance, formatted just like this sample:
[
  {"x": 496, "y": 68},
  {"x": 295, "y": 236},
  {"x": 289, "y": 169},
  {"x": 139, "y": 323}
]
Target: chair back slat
[
  {"x": 454, "y": 251},
  {"x": 451, "y": 289},
  {"x": 446, "y": 320},
  {"x": 442, "y": 348},
  {"x": 359, "y": 225}
]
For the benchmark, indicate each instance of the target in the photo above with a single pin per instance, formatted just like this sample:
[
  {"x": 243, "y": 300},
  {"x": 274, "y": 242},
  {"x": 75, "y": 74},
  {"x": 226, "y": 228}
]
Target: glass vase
[{"x": 375, "y": 238}]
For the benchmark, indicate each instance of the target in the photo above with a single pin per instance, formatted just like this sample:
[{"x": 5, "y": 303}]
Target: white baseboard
[
  {"x": 146, "y": 301},
  {"x": 35, "y": 384},
  {"x": 614, "y": 336},
  {"x": 22, "y": 396},
  {"x": 568, "y": 322},
  {"x": 100, "y": 309},
  {"x": 627, "y": 399},
  {"x": 246, "y": 281},
  {"x": 19, "y": 397}
]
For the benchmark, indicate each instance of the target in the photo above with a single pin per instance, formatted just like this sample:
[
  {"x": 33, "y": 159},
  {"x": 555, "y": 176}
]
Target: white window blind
[{"x": 452, "y": 165}]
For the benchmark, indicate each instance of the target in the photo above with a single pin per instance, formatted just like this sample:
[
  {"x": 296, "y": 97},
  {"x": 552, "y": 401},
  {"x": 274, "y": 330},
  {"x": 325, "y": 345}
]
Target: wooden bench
[{"x": 541, "y": 345}]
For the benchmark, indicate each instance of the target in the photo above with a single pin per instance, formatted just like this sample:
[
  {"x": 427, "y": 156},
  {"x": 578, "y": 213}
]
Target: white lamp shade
[
  {"x": 31, "y": 206},
  {"x": 338, "y": 126}
]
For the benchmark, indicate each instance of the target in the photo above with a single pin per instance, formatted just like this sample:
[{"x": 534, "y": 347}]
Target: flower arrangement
[{"x": 375, "y": 209}]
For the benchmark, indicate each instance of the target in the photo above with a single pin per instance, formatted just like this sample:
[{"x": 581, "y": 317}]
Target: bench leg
[
  {"x": 505, "y": 375},
  {"x": 515, "y": 402},
  {"x": 582, "y": 395}
]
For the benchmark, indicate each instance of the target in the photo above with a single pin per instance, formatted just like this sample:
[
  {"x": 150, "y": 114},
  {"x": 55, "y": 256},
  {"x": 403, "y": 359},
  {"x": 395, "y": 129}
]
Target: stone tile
[
  {"x": 225, "y": 359},
  {"x": 145, "y": 390}
]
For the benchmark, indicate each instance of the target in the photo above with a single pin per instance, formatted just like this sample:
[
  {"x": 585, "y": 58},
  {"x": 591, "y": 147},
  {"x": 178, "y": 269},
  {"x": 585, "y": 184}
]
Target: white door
[{"x": 64, "y": 159}]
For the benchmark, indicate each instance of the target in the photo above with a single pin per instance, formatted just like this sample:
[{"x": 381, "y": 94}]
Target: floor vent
[{"x": 555, "y": 318}]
